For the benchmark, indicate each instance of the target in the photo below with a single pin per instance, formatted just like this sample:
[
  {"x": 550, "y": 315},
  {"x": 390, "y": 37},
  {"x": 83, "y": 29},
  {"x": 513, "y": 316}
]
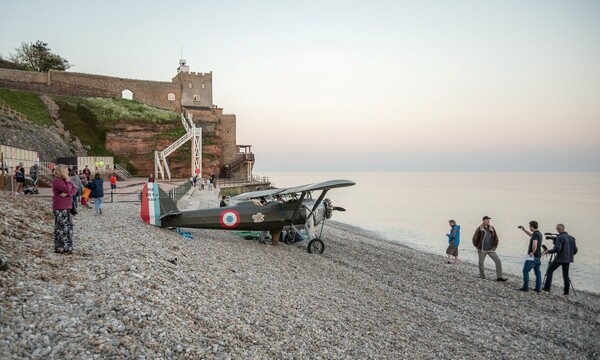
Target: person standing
[
  {"x": 195, "y": 180},
  {"x": 533, "y": 259},
  {"x": 208, "y": 184},
  {"x": 151, "y": 178},
  {"x": 87, "y": 172},
  {"x": 485, "y": 240},
  {"x": 453, "y": 242},
  {"x": 202, "y": 184},
  {"x": 97, "y": 187},
  {"x": 77, "y": 182},
  {"x": 62, "y": 202},
  {"x": 565, "y": 249},
  {"x": 20, "y": 179},
  {"x": 113, "y": 182}
]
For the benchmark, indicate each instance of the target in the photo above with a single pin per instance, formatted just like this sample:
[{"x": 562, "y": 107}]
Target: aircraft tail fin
[{"x": 156, "y": 204}]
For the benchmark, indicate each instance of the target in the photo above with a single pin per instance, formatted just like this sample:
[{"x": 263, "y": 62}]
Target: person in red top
[
  {"x": 62, "y": 202},
  {"x": 113, "y": 182}
]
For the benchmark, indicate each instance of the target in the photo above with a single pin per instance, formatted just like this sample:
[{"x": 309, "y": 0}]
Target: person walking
[
  {"x": 63, "y": 190},
  {"x": 565, "y": 249},
  {"x": 533, "y": 258},
  {"x": 485, "y": 240},
  {"x": 113, "y": 182},
  {"x": 77, "y": 182},
  {"x": 20, "y": 179},
  {"x": 151, "y": 178},
  {"x": 97, "y": 187},
  {"x": 453, "y": 242}
]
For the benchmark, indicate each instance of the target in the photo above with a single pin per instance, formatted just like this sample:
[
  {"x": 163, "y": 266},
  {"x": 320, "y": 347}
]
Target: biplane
[{"x": 291, "y": 211}]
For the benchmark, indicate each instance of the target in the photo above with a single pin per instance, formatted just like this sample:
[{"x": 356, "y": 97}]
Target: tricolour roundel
[{"x": 229, "y": 219}]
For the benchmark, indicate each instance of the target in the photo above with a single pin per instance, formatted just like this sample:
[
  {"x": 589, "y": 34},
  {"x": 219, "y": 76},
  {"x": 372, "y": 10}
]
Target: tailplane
[{"x": 156, "y": 204}]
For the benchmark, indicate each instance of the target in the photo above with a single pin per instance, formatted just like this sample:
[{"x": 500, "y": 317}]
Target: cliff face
[
  {"x": 49, "y": 142},
  {"x": 137, "y": 143}
]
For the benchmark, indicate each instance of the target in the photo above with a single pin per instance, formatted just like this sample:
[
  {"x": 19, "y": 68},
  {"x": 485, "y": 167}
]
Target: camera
[
  {"x": 520, "y": 227},
  {"x": 550, "y": 236}
]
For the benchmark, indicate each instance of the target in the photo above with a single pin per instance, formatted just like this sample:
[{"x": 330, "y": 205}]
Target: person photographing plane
[
  {"x": 565, "y": 249},
  {"x": 533, "y": 258}
]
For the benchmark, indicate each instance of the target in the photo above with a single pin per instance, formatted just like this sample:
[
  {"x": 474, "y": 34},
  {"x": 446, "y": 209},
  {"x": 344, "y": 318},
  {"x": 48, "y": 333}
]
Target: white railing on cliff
[
  {"x": 5, "y": 109},
  {"x": 122, "y": 172}
]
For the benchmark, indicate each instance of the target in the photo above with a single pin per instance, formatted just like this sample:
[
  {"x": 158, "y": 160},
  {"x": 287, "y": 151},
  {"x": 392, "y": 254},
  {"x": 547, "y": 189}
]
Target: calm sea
[{"x": 414, "y": 209}]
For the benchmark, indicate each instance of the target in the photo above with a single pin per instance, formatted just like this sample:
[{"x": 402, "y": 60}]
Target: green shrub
[{"x": 28, "y": 104}]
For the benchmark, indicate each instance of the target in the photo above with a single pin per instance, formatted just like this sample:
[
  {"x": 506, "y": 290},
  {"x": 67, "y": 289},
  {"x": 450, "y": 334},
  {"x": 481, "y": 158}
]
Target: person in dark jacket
[
  {"x": 565, "y": 249},
  {"x": 485, "y": 240},
  {"x": 97, "y": 187}
]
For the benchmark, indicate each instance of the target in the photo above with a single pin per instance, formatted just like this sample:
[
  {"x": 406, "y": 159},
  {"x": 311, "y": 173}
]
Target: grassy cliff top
[{"x": 107, "y": 111}]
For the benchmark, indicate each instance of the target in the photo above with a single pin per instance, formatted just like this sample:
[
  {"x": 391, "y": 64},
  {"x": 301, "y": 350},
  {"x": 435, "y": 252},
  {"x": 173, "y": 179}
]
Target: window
[
  {"x": 203, "y": 86},
  {"x": 190, "y": 85},
  {"x": 127, "y": 94},
  {"x": 171, "y": 96},
  {"x": 196, "y": 97}
]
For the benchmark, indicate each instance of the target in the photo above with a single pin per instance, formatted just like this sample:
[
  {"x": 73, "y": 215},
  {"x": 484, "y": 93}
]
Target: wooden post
[{"x": 275, "y": 235}]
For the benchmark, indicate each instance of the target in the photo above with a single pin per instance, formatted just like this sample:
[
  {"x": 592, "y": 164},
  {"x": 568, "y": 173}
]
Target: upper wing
[
  {"x": 257, "y": 194},
  {"x": 325, "y": 185}
]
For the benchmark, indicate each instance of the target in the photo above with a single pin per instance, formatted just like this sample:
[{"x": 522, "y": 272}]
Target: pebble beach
[{"x": 134, "y": 291}]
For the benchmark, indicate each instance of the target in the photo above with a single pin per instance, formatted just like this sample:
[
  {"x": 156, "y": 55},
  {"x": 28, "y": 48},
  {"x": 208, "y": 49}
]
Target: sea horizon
[{"x": 412, "y": 208}]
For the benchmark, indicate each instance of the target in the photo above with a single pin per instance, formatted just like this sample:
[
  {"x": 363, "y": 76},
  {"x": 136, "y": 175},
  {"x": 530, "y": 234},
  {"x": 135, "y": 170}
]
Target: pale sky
[{"x": 359, "y": 85}]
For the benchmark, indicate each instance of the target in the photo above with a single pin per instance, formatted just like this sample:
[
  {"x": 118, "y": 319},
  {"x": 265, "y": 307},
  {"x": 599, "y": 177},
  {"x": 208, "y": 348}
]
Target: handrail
[
  {"x": 121, "y": 171},
  {"x": 178, "y": 192},
  {"x": 6, "y": 109}
]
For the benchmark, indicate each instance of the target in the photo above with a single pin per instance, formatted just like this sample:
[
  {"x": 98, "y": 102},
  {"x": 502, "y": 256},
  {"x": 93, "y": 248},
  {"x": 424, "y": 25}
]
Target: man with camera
[
  {"x": 485, "y": 240},
  {"x": 565, "y": 249},
  {"x": 533, "y": 259}
]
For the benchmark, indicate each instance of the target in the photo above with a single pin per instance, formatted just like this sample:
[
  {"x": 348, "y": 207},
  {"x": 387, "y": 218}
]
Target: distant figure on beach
[
  {"x": 62, "y": 202},
  {"x": 97, "y": 187},
  {"x": 151, "y": 178},
  {"x": 77, "y": 182},
  {"x": 20, "y": 179},
  {"x": 195, "y": 180},
  {"x": 453, "y": 242},
  {"x": 87, "y": 173},
  {"x": 565, "y": 249},
  {"x": 208, "y": 183},
  {"x": 202, "y": 184},
  {"x": 533, "y": 258},
  {"x": 485, "y": 240},
  {"x": 113, "y": 181}
]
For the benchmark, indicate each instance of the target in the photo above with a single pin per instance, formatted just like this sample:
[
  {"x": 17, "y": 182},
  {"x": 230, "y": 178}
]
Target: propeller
[{"x": 338, "y": 208}]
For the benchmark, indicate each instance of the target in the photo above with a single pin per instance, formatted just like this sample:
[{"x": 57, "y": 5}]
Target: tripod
[{"x": 546, "y": 273}]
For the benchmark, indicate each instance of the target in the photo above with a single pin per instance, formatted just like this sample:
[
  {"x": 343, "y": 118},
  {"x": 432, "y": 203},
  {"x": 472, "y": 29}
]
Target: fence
[
  {"x": 256, "y": 180},
  {"x": 133, "y": 196},
  {"x": 178, "y": 192}
]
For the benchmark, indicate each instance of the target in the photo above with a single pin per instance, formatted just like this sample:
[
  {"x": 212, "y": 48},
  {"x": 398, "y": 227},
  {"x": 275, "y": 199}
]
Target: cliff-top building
[{"x": 188, "y": 92}]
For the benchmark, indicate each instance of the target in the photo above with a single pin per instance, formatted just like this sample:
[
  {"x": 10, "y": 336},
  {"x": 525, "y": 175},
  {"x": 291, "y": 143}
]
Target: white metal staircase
[{"x": 192, "y": 132}]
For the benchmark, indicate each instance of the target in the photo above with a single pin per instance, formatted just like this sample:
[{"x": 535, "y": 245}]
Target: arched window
[
  {"x": 203, "y": 86},
  {"x": 190, "y": 85},
  {"x": 127, "y": 94},
  {"x": 171, "y": 96}
]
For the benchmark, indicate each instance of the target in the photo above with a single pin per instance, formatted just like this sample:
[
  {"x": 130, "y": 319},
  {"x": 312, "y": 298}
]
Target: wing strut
[{"x": 319, "y": 200}]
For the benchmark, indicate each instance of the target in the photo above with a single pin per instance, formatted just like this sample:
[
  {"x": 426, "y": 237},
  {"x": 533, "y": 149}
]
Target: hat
[{"x": 486, "y": 217}]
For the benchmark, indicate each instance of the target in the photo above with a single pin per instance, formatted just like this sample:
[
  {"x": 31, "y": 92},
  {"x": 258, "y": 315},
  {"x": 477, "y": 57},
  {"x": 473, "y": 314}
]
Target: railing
[
  {"x": 5, "y": 109},
  {"x": 178, "y": 192},
  {"x": 255, "y": 180},
  {"x": 122, "y": 172}
]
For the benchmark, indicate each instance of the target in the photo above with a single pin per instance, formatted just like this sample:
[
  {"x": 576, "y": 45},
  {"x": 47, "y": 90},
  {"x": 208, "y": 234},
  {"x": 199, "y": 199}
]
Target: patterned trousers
[{"x": 63, "y": 230}]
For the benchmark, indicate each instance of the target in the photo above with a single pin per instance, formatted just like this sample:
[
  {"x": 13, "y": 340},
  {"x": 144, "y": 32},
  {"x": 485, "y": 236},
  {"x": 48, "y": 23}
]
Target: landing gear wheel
[{"x": 316, "y": 246}]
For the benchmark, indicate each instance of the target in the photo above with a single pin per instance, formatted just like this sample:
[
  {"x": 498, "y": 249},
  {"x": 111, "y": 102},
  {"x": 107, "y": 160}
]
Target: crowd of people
[
  {"x": 69, "y": 189},
  {"x": 485, "y": 240}
]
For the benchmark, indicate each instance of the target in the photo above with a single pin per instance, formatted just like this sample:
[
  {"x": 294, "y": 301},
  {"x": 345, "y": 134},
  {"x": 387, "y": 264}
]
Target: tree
[{"x": 37, "y": 56}]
